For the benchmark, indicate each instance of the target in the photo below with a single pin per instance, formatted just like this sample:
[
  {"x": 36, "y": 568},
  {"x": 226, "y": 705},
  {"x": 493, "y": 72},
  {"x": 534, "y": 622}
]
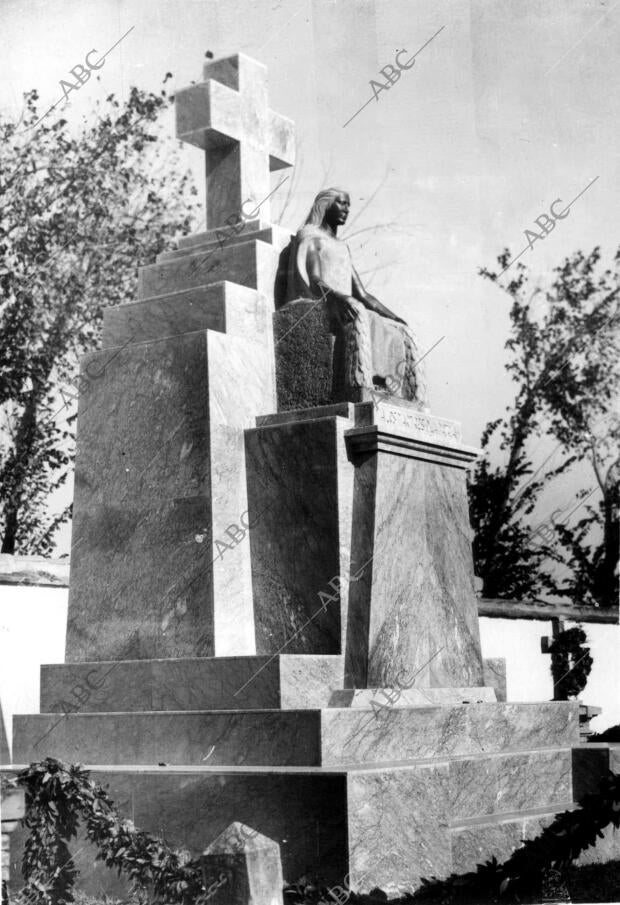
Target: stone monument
[{"x": 272, "y": 618}]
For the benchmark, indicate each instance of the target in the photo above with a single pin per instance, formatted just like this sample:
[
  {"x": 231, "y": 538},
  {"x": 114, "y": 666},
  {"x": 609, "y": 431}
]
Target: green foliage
[
  {"x": 81, "y": 209},
  {"x": 564, "y": 362},
  {"x": 571, "y": 663},
  {"x": 60, "y": 799}
]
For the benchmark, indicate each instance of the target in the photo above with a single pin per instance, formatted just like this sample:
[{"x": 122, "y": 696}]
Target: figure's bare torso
[{"x": 331, "y": 256}]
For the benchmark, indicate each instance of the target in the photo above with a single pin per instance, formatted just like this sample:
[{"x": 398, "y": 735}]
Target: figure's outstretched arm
[{"x": 370, "y": 301}]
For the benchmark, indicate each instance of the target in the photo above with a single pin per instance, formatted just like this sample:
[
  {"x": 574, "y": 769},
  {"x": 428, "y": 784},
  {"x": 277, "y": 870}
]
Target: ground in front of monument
[{"x": 273, "y": 628}]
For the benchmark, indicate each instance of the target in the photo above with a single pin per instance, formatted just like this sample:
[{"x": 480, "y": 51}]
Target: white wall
[
  {"x": 33, "y": 622},
  {"x": 528, "y": 670}
]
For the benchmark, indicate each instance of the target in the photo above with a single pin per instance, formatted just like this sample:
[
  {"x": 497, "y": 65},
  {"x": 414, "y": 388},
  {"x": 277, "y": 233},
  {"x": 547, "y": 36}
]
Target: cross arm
[
  {"x": 281, "y": 141},
  {"x": 208, "y": 115}
]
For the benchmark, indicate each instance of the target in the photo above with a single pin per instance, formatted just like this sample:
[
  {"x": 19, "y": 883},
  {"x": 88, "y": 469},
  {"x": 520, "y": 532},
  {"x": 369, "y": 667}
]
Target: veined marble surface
[
  {"x": 414, "y": 610},
  {"x": 226, "y": 738},
  {"x": 200, "y": 683},
  {"x": 160, "y": 557},
  {"x": 303, "y": 541},
  {"x": 250, "y": 263},
  {"x": 225, "y": 307},
  {"x": 509, "y": 782},
  {"x": 396, "y": 734},
  {"x": 381, "y": 698},
  {"x": 398, "y": 829}
]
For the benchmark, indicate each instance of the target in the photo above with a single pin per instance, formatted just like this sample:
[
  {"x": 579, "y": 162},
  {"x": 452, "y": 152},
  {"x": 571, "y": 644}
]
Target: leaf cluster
[
  {"x": 564, "y": 354},
  {"x": 571, "y": 663},
  {"x": 80, "y": 209},
  {"x": 60, "y": 799}
]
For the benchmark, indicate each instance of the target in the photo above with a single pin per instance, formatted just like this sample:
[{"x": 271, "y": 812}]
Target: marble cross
[{"x": 228, "y": 117}]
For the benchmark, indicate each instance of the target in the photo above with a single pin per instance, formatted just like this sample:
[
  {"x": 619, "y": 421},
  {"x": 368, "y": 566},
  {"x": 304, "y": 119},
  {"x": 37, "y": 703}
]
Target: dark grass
[{"x": 590, "y": 883}]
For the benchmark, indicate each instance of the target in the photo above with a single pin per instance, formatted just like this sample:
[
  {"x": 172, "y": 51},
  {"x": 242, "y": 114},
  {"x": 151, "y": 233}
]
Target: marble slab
[
  {"x": 303, "y": 541},
  {"x": 160, "y": 562},
  {"x": 377, "y": 698},
  {"x": 509, "y": 782},
  {"x": 215, "y": 239},
  {"x": 251, "y": 263},
  {"x": 206, "y": 683},
  {"x": 414, "y": 610},
  {"x": 347, "y": 410},
  {"x": 330, "y": 737},
  {"x": 225, "y": 307},
  {"x": 497, "y": 837},
  {"x": 212, "y": 236},
  {"x": 398, "y": 416},
  {"x": 397, "y": 734},
  {"x": 398, "y": 829},
  {"x": 227, "y": 738}
]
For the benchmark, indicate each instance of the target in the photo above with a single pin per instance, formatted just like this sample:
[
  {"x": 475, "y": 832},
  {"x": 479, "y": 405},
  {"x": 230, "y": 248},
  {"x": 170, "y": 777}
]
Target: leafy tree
[
  {"x": 80, "y": 211},
  {"x": 564, "y": 361}
]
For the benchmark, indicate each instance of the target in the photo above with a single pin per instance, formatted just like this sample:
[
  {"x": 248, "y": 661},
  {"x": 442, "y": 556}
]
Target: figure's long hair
[{"x": 320, "y": 205}]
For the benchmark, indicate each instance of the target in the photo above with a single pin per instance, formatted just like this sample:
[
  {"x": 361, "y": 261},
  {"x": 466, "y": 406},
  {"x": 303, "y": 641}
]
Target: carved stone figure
[{"x": 378, "y": 347}]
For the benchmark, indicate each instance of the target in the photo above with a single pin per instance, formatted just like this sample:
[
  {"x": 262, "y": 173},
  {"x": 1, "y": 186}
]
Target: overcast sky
[{"x": 511, "y": 106}]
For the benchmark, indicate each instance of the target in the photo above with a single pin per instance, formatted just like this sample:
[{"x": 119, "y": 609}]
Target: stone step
[
  {"x": 225, "y": 737},
  {"x": 250, "y": 263},
  {"x": 478, "y": 840},
  {"x": 207, "y": 683},
  {"x": 353, "y": 736},
  {"x": 226, "y": 307},
  {"x": 384, "y": 698},
  {"x": 216, "y": 239},
  {"x": 330, "y": 737},
  {"x": 488, "y": 784},
  {"x": 210, "y": 235},
  {"x": 386, "y": 826}
]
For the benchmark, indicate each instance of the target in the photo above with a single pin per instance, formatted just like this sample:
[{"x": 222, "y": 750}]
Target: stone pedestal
[
  {"x": 306, "y": 363},
  {"x": 369, "y": 499},
  {"x": 413, "y": 613}
]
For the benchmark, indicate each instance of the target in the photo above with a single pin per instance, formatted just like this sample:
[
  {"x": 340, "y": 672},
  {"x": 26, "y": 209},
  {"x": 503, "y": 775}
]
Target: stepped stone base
[
  {"x": 386, "y": 826},
  {"x": 287, "y": 681},
  {"x": 387, "y": 795},
  {"x": 201, "y": 683},
  {"x": 334, "y": 736},
  {"x": 343, "y": 783}
]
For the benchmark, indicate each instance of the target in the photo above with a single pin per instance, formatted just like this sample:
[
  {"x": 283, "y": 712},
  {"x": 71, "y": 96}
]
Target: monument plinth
[{"x": 252, "y": 584}]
